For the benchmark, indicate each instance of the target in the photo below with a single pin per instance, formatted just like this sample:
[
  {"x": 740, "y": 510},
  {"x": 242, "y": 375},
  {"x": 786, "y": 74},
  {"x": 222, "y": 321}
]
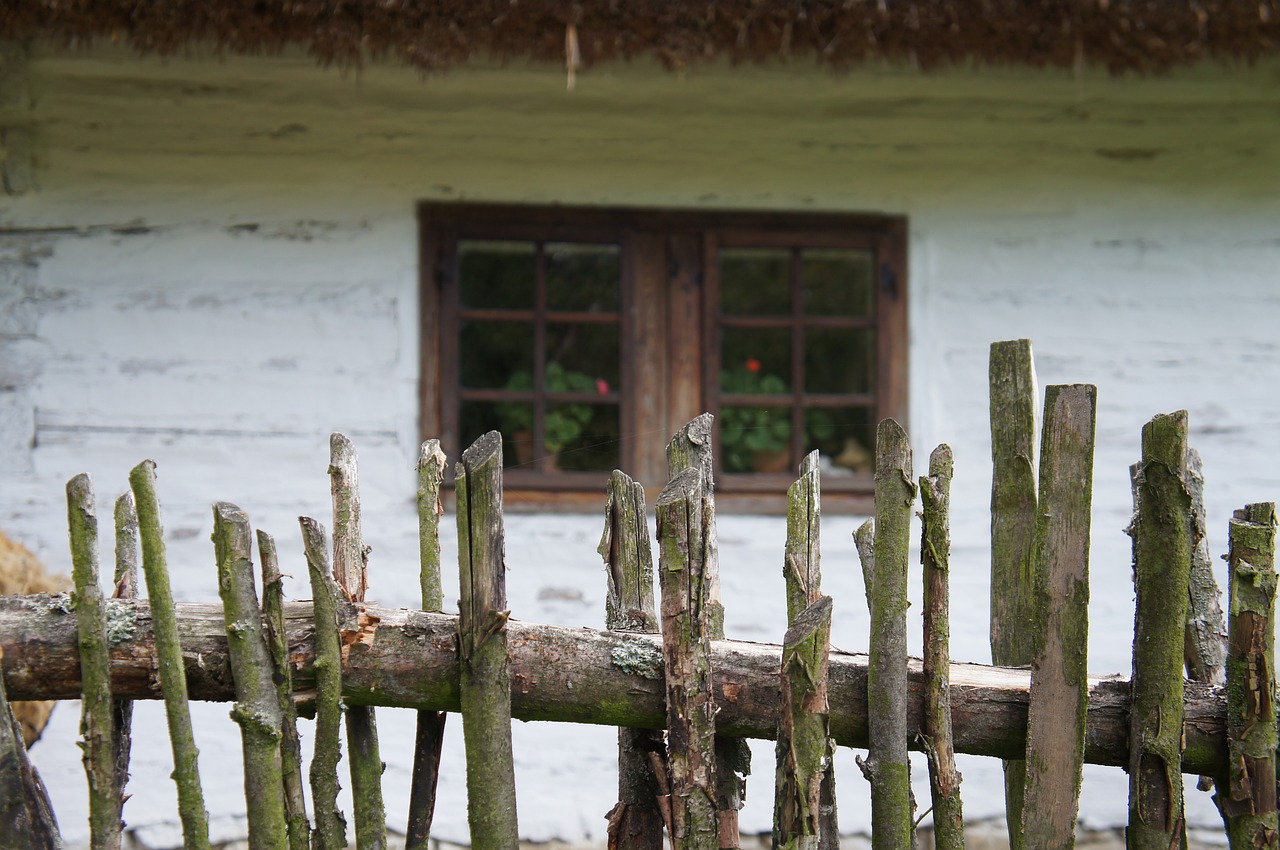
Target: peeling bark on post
[
  {"x": 1014, "y": 395},
  {"x": 1059, "y": 669},
  {"x": 126, "y": 588},
  {"x": 350, "y": 571},
  {"x": 26, "y": 818},
  {"x": 935, "y": 557},
  {"x": 1162, "y": 547},
  {"x": 692, "y": 448},
  {"x": 169, "y": 667},
  {"x": 295, "y": 808},
  {"x": 485, "y": 681},
  {"x": 1247, "y": 790},
  {"x": 430, "y": 732},
  {"x": 636, "y": 822},
  {"x": 886, "y": 766},
  {"x": 331, "y": 827},
  {"x": 257, "y": 708},
  {"x": 1205, "y": 646},
  {"x": 97, "y": 718},
  {"x": 691, "y": 708}
]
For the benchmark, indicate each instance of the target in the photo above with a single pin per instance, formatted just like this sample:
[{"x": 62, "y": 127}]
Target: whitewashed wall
[{"x": 219, "y": 268}]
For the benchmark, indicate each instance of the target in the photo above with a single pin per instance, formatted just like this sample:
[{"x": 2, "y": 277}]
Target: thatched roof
[{"x": 1122, "y": 35}]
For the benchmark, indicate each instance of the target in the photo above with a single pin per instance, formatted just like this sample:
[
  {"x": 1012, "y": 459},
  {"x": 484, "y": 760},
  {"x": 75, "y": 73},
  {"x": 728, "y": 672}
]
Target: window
[{"x": 588, "y": 336}]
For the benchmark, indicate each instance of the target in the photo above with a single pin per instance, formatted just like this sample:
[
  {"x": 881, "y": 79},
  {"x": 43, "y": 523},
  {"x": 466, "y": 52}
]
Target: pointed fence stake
[
  {"x": 430, "y": 731},
  {"x": 1059, "y": 672},
  {"x": 257, "y": 708},
  {"x": 1205, "y": 647},
  {"x": 126, "y": 588},
  {"x": 169, "y": 663},
  {"x": 485, "y": 672},
  {"x": 1162, "y": 548}
]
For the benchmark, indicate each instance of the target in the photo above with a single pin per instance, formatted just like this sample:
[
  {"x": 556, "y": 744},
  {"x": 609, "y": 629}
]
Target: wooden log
[
  {"x": 257, "y": 708},
  {"x": 430, "y": 728},
  {"x": 1162, "y": 549},
  {"x": 636, "y": 822},
  {"x": 26, "y": 818},
  {"x": 350, "y": 571},
  {"x": 692, "y": 448},
  {"x": 1247, "y": 792},
  {"x": 126, "y": 588},
  {"x": 485, "y": 680},
  {"x": 886, "y": 766},
  {"x": 938, "y": 741},
  {"x": 574, "y": 675},
  {"x": 686, "y": 645},
  {"x": 97, "y": 716},
  {"x": 169, "y": 659},
  {"x": 1205, "y": 646},
  {"x": 326, "y": 662},
  {"x": 1014, "y": 395},
  {"x": 1059, "y": 670},
  {"x": 295, "y": 807}
]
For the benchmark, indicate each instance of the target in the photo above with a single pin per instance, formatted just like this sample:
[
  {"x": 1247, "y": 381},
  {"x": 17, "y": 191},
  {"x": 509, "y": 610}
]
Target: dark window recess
[{"x": 588, "y": 336}]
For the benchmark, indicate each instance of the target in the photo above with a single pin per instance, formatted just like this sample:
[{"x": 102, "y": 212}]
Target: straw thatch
[{"x": 1121, "y": 35}]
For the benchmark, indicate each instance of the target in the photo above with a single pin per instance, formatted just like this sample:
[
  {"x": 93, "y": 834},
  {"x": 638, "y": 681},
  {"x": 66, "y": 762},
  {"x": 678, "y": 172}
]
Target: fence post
[
  {"x": 482, "y": 647},
  {"x": 939, "y": 745},
  {"x": 1059, "y": 695},
  {"x": 430, "y": 731},
  {"x": 1014, "y": 395},
  {"x": 1162, "y": 547},
  {"x": 1205, "y": 649},
  {"x": 126, "y": 588},
  {"x": 26, "y": 818},
  {"x": 1247, "y": 794},
  {"x": 886, "y": 766}
]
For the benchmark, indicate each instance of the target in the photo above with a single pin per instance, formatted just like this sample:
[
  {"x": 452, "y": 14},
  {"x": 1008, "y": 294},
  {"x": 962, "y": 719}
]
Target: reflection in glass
[
  {"x": 839, "y": 361},
  {"x": 838, "y": 283},
  {"x": 755, "y": 439},
  {"x": 494, "y": 351},
  {"x": 582, "y": 277},
  {"x": 755, "y": 281},
  {"x": 591, "y": 351},
  {"x": 496, "y": 275}
]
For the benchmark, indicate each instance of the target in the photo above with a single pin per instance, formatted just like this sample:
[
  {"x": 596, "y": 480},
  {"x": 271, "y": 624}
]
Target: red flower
[
  {"x": 753, "y": 365},
  {"x": 602, "y": 386}
]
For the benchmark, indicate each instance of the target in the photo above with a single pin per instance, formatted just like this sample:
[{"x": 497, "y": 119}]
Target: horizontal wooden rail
[{"x": 562, "y": 674}]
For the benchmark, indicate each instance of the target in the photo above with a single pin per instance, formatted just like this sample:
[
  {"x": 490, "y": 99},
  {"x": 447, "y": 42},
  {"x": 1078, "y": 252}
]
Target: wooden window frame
[{"x": 668, "y": 324}]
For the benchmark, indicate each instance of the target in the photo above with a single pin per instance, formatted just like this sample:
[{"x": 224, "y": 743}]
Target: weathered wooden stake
[
  {"x": 350, "y": 571},
  {"x": 1247, "y": 793},
  {"x": 1205, "y": 647},
  {"x": 331, "y": 826},
  {"x": 1162, "y": 547},
  {"x": 686, "y": 626},
  {"x": 430, "y": 732},
  {"x": 295, "y": 808},
  {"x": 1059, "y": 670},
  {"x": 169, "y": 666},
  {"x": 886, "y": 766},
  {"x": 26, "y": 818},
  {"x": 939, "y": 743},
  {"x": 636, "y": 822},
  {"x": 485, "y": 679},
  {"x": 692, "y": 448},
  {"x": 1014, "y": 395},
  {"x": 126, "y": 588},
  {"x": 257, "y": 708}
]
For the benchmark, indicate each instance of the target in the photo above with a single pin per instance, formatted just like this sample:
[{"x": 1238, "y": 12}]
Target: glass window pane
[
  {"x": 755, "y": 439},
  {"x": 513, "y": 419},
  {"x": 496, "y": 275},
  {"x": 839, "y": 361},
  {"x": 494, "y": 354},
  {"x": 585, "y": 355},
  {"x": 755, "y": 360},
  {"x": 838, "y": 283},
  {"x": 582, "y": 277},
  {"x": 583, "y": 437},
  {"x": 755, "y": 281},
  {"x": 844, "y": 437}
]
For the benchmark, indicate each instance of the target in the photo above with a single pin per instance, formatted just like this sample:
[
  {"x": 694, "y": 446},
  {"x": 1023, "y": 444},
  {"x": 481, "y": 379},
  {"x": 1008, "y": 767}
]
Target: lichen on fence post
[
  {"x": 330, "y": 826},
  {"x": 1162, "y": 548},
  {"x": 485, "y": 674},
  {"x": 126, "y": 588},
  {"x": 686, "y": 655},
  {"x": 887, "y": 767},
  {"x": 430, "y": 727},
  {"x": 169, "y": 663},
  {"x": 1247, "y": 792},
  {"x": 1013, "y": 400},
  {"x": 97, "y": 710},
  {"x": 257, "y": 708},
  {"x": 636, "y": 822},
  {"x": 1059, "y": 695},
  {"x": 939, "y": 744},
  {"x": 1205, "y": 646}
]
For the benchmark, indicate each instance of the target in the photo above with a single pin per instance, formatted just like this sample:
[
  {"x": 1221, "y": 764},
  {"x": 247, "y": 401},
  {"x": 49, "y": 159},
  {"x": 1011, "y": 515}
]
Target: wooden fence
[{"x": 668, "y": 667}]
